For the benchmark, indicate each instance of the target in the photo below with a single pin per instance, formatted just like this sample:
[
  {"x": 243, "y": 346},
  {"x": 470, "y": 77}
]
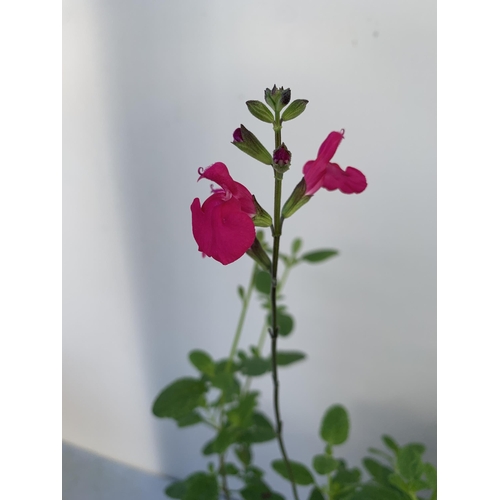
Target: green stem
[
  {"x": 277, "y": 226},
  {"x": 222, "y": 471},
  {"x": 241, "y": 320}
]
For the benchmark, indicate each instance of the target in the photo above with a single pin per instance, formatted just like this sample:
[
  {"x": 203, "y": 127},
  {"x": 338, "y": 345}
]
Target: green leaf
[
  {"x": 258, "y": 490},
  {"x": 415, "y": 485},
  {"x": 399, "y": 482},
  {"x": 227, "y": 383},
  {"x": 226, "y": 437},
  {"x": 179, "y": 398},
  {"x": 381, "y": 453},
  {"x": 378, "y": 471},
  {"x": 203, "y": 362},
  {"x": 344, "y": 476},
  {"x": 241, "y": 292},
  {"x": 377, "y": 492},
  {"x": 284, "y": 358},
  {"x": 316, "y": 494},
  {"x": 260, "y": 431},
  {"x": 296, "y": 246},
  {"x": 253, "y": 367},
  {"x": 410, "y": 463},
  {"x": 324, "y": 464},
  {"x": 300, "y": 472},
  {"x": 263, "y": 282},
  {"x": 295, "y": 109},
  {"x": 285, "y": 323},
  {"x": 335, "y": 425},
  {"x": 390, "y": 443},
  {"x": 176, "y": 490},
  {"x": 201, "y": 486},
  {"x": 244, "y": 454},
  {"x": 431, "y": 475},
  {"x": 230, "y": 469},
  {"x": 241, "y": 415},
  {"x": 319, "y": 255},
  {"x": 260, "y": 111},
  {"x": 191, "y": 418},
  {"x": 221, "y": 366}
]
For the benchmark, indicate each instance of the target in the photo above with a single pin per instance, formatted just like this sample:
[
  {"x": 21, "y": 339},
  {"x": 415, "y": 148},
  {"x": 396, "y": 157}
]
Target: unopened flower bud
[
  {"x": 282, "y": 156},
  {"x": 277, "y": 98},
  {"x": 297, "y": 199},
  {"x": 281, "y": 159},
  {"x": 249, "y": 144},
  {"x": 237, "y": 135}
]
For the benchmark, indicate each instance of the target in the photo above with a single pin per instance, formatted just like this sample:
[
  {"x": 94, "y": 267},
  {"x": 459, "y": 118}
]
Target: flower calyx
[
  {"x": 297, "y": 199},
  {"x": 281, "y": 159},
  {"x": 259, "y": 255},
  {"x": 261, "y": 217},
  {"x": 277, "y": 98},
  {"x": 246, "y": 141}
]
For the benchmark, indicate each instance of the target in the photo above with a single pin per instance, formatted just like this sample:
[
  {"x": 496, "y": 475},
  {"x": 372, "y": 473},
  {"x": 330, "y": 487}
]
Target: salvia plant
[{"x": 221, "y": 396}]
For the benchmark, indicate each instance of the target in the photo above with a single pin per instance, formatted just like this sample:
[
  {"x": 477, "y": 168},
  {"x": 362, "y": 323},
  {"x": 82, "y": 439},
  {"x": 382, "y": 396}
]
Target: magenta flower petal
[
  {"x": 330, "y": 145},
  {"x": 314, "y": 171},
  {"x": 219, "y": 173},
  {"x": 348, "y": 182},
  {"x": 221, "y": 229}
]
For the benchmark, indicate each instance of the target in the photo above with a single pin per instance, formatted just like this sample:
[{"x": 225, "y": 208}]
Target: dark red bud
[
  {"x": 282, "y": 156},
  {"x": 237, "y": 137}
]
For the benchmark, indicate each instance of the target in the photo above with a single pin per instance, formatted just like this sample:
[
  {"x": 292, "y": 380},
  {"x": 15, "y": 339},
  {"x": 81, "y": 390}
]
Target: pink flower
[
  {"x": 321, "y": 173},
  {"x": 223, "y": 226}
]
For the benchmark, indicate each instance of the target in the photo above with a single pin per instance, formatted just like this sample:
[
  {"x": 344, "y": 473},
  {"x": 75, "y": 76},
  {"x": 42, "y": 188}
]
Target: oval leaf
[
  {"x": 284, "y": 358},
  {"x": 203, "y": 362},
  {"x": 176, "y": 490},
  {"x": 179, "y": 398},
  {"x": 378, "y": 471},
  {"x": 260, "y": 431},
  {"x": 324, "y": 464},
  {"x": 192, "y": 418},
  {"x": 263, "y": 282},
  {"x": 285, "y": 323},
  {"x": 260, "y": 111},
  {"x": 410, "y": 461},
  {"x": 319, "y": 256},
  {"x": 377, "y": 492},
  {"x": 296, "y": 246},
  {"x": 253, "y": 367},
  {"x": 227, "y": 383},
  {"x": 300, "y": 472},
  {"x": 295, "y": 109},
  {"x": 201, "y": 486},
  {"x": 431, "y": 475},
  {"x": 335, "y": 426},
  {"x": 316, "y": 494},
  {"x": 390, "y": 443}
]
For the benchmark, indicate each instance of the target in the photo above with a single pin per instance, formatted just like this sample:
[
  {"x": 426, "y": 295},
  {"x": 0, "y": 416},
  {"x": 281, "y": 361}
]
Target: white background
[{"x": 152, "y": 91}]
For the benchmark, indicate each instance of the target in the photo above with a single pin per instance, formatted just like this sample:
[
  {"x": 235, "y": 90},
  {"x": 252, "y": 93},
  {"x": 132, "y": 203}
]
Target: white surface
[{"x": 152, "y": 91}]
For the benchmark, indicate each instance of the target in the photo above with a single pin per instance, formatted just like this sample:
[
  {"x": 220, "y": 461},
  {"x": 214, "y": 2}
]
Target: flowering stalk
[
  {"x": 276, "y": 231},
  {"x": 241, "y": 320}
]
